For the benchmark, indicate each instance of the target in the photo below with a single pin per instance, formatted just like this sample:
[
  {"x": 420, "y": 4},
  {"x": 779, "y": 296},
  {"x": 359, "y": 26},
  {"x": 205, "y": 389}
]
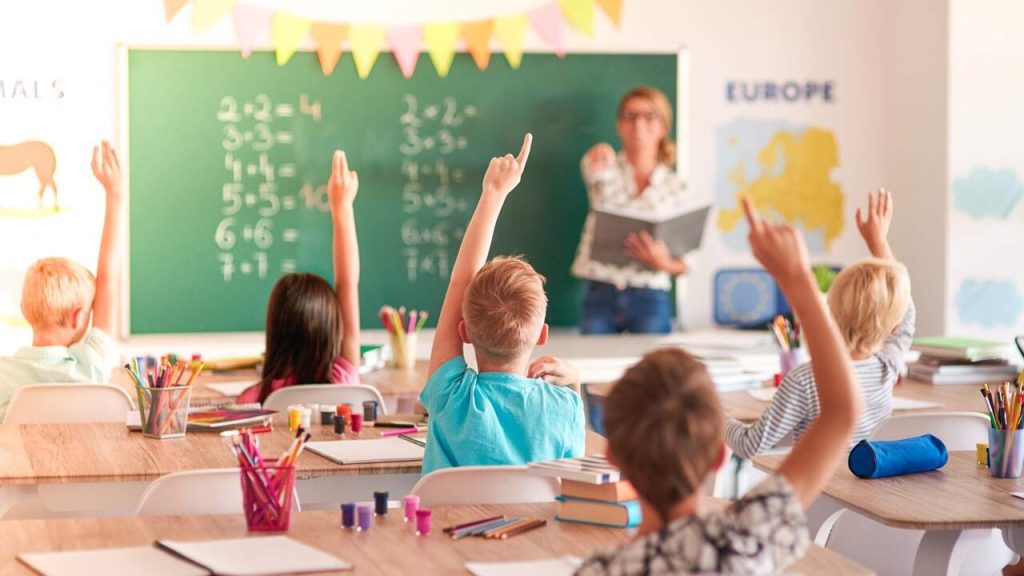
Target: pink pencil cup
[{"x": 267, "y": 497}]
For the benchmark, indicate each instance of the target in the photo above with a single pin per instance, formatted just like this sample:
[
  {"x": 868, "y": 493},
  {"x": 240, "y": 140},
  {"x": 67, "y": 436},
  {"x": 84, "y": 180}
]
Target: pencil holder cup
[
  {"x": 1005, "y": 453},
  {"x": 789, "y": 359},
  {"x": 267, "y": 497},
  {"x": 164, "y": 411},
  {"x": 403, "y": 351}
]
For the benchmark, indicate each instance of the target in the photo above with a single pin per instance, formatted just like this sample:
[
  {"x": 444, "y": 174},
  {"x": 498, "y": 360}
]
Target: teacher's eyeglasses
[{"x": 634, "y": 116}]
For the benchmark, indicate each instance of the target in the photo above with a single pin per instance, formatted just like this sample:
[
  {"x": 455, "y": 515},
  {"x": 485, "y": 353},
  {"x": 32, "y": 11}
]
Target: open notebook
[
  {"x": 254, "y": 556},
  {"x": 367, "y": 451}
]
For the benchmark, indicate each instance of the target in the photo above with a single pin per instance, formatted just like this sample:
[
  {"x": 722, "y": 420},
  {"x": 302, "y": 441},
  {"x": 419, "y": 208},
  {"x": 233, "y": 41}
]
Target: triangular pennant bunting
[
  {"x": 287, "y": 32},
  {"x": 251, "y": 24},
  {"x": 328, "y": 39},
  {"x": 441, "y": 39},
  {"x": 366, "y": 42},
  {"x": 510, "y": 31},
  {"x": 579, "y": 13},
  {"x": 477, "y": 36},
  {"x": 405, "y": 44},
  {"x": 548, "y": 22},
  {"x": 172, "y": 7},
  {"x": 613, "y": 8},
  {"x": 206, "y": 13}
]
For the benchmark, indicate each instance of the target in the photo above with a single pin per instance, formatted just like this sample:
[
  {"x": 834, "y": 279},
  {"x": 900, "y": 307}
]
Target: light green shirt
[{"x": 90, "y": 360}]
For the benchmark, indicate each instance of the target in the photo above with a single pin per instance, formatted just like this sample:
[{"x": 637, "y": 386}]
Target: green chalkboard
[{"x": 228, "y": 159}]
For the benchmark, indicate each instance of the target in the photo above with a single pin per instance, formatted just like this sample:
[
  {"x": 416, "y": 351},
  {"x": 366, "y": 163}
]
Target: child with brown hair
[
  {"x": 60, "y": 297},
  {"x": 312, "y": 333},
  {"x": 664, "y": 426},
  {"x": 870, "y": 302},
  {"x": 508, "y": 412}
]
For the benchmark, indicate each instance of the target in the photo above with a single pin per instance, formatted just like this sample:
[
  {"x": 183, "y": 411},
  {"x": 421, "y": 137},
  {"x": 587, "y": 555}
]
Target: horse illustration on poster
[{"x": 34, "y": 154}]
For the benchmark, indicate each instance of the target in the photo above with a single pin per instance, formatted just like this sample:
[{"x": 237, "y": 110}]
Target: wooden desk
[
  {"x": 389, "y": 548},
  {"x": 960, "y": 496}
]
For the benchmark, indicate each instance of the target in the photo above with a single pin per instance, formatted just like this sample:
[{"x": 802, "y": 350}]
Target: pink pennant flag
[
  {"x": 251, "y": 26},
  {"x": 548, "y": 21},
  {"x": 405, "y": 44}
]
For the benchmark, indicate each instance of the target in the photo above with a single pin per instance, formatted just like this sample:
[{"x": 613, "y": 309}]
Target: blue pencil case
[{"x": 884, "y": 458}]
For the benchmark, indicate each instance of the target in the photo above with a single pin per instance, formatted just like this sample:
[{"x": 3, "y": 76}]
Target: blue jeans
[{"x": 608, "y": 310}]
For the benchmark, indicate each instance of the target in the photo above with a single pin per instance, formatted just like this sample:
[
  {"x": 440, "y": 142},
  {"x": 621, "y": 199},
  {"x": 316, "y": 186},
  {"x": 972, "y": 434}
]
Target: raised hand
[
  {"x": 503, "y": 174},
  {"x": 343, "y": 184},
  {"x": 779, "y": 248},
  {"x": 600, "y": 157},
  {"x": 874, "y": 226},
  {"x": 106, "y": 167}
]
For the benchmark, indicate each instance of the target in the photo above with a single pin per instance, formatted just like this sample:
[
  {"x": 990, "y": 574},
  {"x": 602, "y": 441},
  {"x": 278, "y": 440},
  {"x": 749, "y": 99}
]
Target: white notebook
[
  {"x": 256, "y": 556},
  {"x": 564, "y": 566},
  {"x": 366, "y": 451},
  {"x": 142, "y": 560}
]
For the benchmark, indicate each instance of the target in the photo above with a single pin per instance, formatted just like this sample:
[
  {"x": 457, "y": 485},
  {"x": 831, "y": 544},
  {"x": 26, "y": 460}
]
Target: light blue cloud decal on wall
[
  {"x": 987, "y": 193},
  {"x": 989, "y": 303}
]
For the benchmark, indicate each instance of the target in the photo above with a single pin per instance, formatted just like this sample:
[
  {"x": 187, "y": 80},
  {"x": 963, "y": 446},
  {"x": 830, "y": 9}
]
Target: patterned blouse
[
  {"x": 615, "y": 188},
  {"x": 761, "y": 533}
]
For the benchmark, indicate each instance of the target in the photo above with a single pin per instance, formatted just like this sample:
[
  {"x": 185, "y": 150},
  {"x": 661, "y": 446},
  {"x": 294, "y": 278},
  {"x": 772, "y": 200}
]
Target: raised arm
[
  {"x": 874, "y": 226},
  {"x": 106, "y": 167},
  {"x": 503, "y": 174},
  {"x": 781, "y": 250},
  {"x": 341, "y": 190}
]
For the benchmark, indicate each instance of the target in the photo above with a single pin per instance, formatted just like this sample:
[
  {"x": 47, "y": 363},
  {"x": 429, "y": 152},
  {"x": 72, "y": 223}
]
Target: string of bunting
[{"x": 288, "y": 31}]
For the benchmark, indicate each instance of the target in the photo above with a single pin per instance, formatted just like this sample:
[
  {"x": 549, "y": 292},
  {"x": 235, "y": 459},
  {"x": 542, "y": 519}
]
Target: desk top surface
[{"x": 389, "y": 548}]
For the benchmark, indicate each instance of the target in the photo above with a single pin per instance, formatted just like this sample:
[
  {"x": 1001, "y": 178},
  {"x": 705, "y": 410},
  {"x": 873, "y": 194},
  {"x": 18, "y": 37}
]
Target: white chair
[
  {"x": 209, "y": 491},
  {"x": 356, "y": 394},
  {"x": 60, "y": 403},
  {"x": 485, "y": 485},
  {"x": 893, "y": 550}
]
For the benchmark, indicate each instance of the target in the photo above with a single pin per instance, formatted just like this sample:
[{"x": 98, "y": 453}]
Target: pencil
[
  {"x": 458, "y": 527},
  {"x": 526, "y": 528},
  {"x": 497, "y": 532}
]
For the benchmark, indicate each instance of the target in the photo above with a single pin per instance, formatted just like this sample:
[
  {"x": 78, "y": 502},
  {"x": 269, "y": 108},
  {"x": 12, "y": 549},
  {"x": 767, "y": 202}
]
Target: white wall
[
  {"x": 986, "y": 241},
  {"x": 884, "y": 116}
]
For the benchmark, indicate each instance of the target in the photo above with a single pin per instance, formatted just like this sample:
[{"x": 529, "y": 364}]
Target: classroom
[{"x": 504, "y": 287}]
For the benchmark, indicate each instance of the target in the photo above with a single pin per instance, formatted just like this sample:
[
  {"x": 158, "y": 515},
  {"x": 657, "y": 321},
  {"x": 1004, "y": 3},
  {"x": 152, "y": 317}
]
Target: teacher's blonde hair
[{"x": 663, "y": 108}]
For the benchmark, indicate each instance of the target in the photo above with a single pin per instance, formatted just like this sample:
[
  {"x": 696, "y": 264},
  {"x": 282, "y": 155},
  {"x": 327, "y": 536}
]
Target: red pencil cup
[
  {"x": 267, "y": 497},
  {"x": 164, "y": 411}
]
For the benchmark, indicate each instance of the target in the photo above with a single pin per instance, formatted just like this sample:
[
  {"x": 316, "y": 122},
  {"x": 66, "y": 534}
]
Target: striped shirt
[{"x": 795, "y": 404}]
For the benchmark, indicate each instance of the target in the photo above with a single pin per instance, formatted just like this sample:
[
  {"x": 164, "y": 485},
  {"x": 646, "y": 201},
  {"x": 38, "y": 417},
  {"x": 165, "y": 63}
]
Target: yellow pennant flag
[
  {"x": 441, "y": 39},
  {"x": 366, "y": 42},
  {"x": 172, "y": 7},
  {"x": 287, "y": 32},
  {"x": 579, "y": 13},
  {"x": 477, "y": 36},
  {"x": 613, "y": 8},
  {"x": 206, "y": 13},
  {"x": 328, "y": 39},
  {"x": 510, "y": 31}
]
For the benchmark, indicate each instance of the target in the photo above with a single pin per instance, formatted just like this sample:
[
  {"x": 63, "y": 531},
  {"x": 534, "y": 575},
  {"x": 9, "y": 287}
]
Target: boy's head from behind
[
  {"x": 503, "y": 310},
  {"x": 57, "y": 298},
  {"x": 868, "y": 299},
  {"x": 665, "y": 427},
  {"x": 303, "y": 330}
]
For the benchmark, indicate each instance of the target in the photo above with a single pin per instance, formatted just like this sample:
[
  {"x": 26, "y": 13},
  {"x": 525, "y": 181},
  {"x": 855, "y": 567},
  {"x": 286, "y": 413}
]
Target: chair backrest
[
  {"x": 957, "y": 430},
  {"x": 210, "y": 491},
  {"x": 485, "y": 485},
  {"x": 356, "y": 394},
  {"x": 60, "y": 403}
]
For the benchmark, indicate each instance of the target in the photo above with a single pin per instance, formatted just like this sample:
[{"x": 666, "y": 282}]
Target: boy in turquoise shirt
[{"x": 512, "y": 411}]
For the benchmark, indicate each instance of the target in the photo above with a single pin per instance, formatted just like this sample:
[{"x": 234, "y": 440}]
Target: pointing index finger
[
  {"x": 524, "y": 153},
  {"x": 752, "y": 218}
]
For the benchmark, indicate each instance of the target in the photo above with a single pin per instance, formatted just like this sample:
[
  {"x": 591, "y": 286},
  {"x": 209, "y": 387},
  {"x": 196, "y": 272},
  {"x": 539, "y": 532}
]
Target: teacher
[{"x": 635, "y": 297}]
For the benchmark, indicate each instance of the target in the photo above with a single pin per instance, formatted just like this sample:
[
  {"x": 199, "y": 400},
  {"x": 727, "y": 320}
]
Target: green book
[{"x": 961, "y": 348}]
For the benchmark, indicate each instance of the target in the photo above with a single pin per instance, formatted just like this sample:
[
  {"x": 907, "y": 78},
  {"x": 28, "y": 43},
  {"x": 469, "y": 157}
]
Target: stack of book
[
  {"x": 947, "y": 360},
  {"x": 593, "y": 492}
]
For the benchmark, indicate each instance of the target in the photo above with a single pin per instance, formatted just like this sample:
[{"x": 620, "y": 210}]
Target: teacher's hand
[
  {"x": 653, "y": 253},
  {"x": 600, "y": 157}
]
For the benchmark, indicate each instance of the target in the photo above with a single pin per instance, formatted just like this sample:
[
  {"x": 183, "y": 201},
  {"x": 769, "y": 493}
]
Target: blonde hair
[
  {"x": 53, "y": 289},
  {"x": 665, "y": 427},
  {"x": 868, "y": 300},
  {"x": 663, "y": 108},
  {"x": 504, "y": 308}
]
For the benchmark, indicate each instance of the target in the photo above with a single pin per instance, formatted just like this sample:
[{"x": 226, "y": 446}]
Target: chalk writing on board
[
  {"x": 256, "y": 187},
  {"x": 434, "y": 215}
]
